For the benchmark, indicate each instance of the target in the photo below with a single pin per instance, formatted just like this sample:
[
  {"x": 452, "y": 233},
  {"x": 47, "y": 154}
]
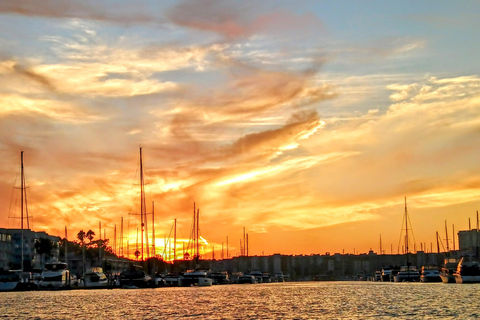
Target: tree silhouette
[
  {"x": 44, "y": 248},
  {"x": 90, "y": 234},
  {"x": 81, "y": 237}
]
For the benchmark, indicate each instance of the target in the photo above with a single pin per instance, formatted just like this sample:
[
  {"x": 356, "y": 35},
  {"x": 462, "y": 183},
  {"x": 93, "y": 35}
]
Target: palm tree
[
  {"x": 81, "y": 237},
  {"x": 44, "y": 247},
  {"x": 90, "y": 234}
]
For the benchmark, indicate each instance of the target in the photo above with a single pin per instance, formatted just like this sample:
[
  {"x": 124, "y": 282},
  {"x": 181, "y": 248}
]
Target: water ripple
[{"x": 303, "y": 300}]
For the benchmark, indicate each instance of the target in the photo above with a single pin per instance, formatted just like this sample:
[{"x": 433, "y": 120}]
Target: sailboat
[
  {"x": 19, "y": 280},
  {"x": 407, "y": 273},
  {"x": 135, "y": 278},
  {"x": 196, "y": 277}
]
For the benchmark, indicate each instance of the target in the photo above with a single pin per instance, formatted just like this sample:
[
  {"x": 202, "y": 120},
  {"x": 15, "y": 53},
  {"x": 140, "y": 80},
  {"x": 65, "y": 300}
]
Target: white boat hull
[
  {"x": 467, "y": 279},
  {"x": 55, "y": 279},
  {"x": 205, "y": 282}
]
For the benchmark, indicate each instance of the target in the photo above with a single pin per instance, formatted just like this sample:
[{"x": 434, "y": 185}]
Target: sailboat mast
[
  {"x": 194, "y": 232},
  {"x": 175, "y": 242},
  {"x": 22, "y": 189},
  {"x": 243, "y": 252},
  {"x": 121, "y": 237},
  {"x": 66, "y": 247},
  {"x": 438, "y": 244},
  {"x": 406, "y": 228},
  {"x": 198, "y": 234},
  {"x": 141, "y": 199},
  {"x": 446, "y": 234},
  {"x": 153, "y": 228},
  {"x": 136, "y": 251}
]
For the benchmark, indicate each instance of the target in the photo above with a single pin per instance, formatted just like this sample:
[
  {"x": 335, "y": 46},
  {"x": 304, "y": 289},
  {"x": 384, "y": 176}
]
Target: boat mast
[
  {"x": 446, "y": 234},
  {"x": 22, "y": 189},
  {"x": 175, "y": 242},
  {"x": 141, "y": 197},
  {"x": 153, "y": 228},
  {"x": 198, "y": 234},
  {"x": 243, "y": 251},
  {"x": 66, "y": 249},
  {"x": 136, "y": 251},
  {"x": 192, "y": 250},
  {"x": 121, "y": 238},
  {"x": 406, "y": 228},
  {"x": 438, "y": 244}
]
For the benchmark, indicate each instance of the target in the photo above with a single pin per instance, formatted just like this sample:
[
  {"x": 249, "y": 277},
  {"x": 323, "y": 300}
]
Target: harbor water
[{"x": 295, "y": 300}]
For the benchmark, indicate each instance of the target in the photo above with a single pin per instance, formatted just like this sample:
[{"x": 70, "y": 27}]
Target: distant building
[
  {"x": 11, "y": 248},
  {"x": 469, "y": 241},
  {"x": 5, "y": 249}
]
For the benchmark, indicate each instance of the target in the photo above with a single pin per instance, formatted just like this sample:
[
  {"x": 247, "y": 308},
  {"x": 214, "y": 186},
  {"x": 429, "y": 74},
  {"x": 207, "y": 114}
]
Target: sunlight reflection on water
[{"x": 300, "y": 300}]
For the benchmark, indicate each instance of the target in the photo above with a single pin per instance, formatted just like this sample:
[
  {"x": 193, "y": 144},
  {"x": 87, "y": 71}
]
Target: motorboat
[
  {"x": 266, "y": 277},
  {"x": 133, "y": 279},
  {"x": 407, "y": 274},
  {"x": 279, "y": 277},
  {"x": 430, "y": 274},
  {"x": 55, "y": 276},
  {"x": 258, "y": 275},
  {"x": 159, "y": 280},
  {"x": 467, "y": 272},
  {"x": 220, "y": 277},
  {"x": 247, "y": 278},
  {"x": 171, "y": 279},
  {"x": 448, "y": 269},
  {"x": 95, "y": 278},
  {"x": 195, "y": 278},
  {"x": 15, "y": 280},
  {"x": 386, "y": 275}
]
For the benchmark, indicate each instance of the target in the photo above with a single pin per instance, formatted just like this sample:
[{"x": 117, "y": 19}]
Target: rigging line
[
  {"x": 441, "y": 243},
  {"x": 25, "y": 198},
  {"x": 190, "y": 243},
  {"x": 168, "y": 241},
  {"x": 411, "y": 229},
  {"x": 12, "y": 195},
  {"x": 401, "y": 233}
]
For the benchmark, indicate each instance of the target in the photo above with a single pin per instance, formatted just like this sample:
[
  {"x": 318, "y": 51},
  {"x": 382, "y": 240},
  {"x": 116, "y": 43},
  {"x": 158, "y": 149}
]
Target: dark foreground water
[{"x": 299, "y": 300}]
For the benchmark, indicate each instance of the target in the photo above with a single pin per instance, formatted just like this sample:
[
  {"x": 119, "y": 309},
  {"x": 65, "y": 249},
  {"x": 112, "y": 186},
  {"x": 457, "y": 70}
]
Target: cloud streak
[{"x": 253, "y": 111}]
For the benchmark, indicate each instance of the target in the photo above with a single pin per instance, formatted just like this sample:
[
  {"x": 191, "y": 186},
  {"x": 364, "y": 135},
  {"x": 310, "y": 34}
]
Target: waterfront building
[
  {"x": 469, "y": 242},
  {"x": 5, "y": 249},
  {"x": 11, "y": 248}
]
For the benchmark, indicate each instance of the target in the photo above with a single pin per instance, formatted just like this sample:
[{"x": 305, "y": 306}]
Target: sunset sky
[{"x": 306, "y": 122}]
